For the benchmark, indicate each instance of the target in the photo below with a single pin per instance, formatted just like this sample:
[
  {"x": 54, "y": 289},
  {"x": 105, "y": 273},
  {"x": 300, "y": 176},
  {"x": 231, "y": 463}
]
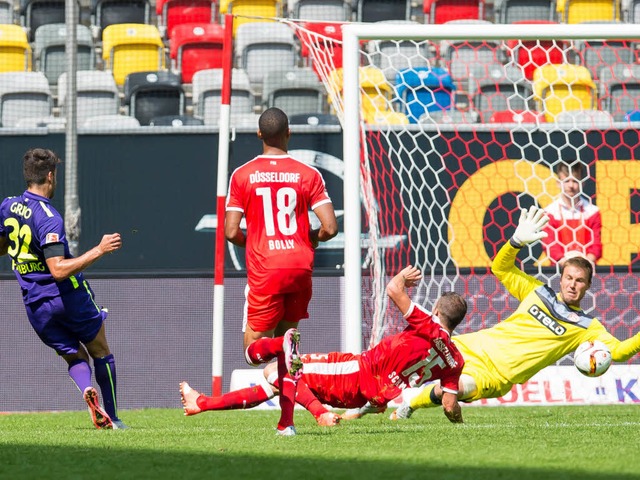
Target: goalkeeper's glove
[{"x": 530, "y": 227}]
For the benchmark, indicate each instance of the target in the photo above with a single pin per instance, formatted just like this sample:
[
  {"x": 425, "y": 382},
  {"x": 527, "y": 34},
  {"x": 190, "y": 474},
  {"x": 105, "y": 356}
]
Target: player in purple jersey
[{"x": 58, "y": 300}]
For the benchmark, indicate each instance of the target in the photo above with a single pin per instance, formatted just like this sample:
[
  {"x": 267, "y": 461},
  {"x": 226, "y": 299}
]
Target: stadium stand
[
  {"x": 631, "y": 11},
  {"x": 599, "y": 54},
  {"x": 206, "y": 92},
  {"x": 584, "y": 119},
  {"x": 325, "y": 36},
  {"x": 261, "y": 47},
  {"x": 322, "y": 10},
  {"x": 517, "y": 116},
  {"x": 50, "y": 48},
  {"x": 505, "y": 89},
  {"x": 314, "y": 119},
  {"x": 112, "y": 12},
  {"x": 15, "y": 51},
  {"x": 531, "y": 54},
  {"x": 97, "y": 94},
  {"x": 110, "y": 122},
  {"x": 449, "y": 117},
  {"x": 391, "y": 56},
  {"x": 423, "y": 89},
  {"x": 132, "y": 47},
  {"x": 194, "y": 47},
  {"x": 7, "y": 12},
  {"x": 295, "y": 91},
  {"x": 24, "y": 95},
  {"x": 443, "y": 11},
  {"x": 153, "y": 94},
  {"x": 565, "y": 87},
  {"x": 50, "y": 122},
  {"x": 518, "y": 11},
  {"x": 245, "y": 9},
  {"x": 175, "y": 121},
  {"x": 35, "y": 13},
  {"x": 378, "y": 10},
  {"x": 619, "y": 90},
  {"x": 171, "y": 13}
]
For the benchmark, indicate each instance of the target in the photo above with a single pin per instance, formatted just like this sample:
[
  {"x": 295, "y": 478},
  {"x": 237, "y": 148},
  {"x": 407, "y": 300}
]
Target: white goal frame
[{"x": 352, "y": 35}]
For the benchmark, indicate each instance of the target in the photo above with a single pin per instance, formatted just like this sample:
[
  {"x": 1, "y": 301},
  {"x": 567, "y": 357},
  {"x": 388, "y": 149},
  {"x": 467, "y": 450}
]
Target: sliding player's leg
[{"x": 194, "y": 402}]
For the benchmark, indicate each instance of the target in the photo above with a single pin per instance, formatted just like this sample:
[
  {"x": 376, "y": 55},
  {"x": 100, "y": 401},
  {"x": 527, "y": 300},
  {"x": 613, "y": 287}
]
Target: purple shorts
[{"x": 62, "y": 323}]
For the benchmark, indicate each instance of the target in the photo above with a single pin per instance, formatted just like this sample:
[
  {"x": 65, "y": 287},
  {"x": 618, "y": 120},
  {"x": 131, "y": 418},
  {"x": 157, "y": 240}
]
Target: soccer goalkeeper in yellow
[{"x": 544, "y": 328}]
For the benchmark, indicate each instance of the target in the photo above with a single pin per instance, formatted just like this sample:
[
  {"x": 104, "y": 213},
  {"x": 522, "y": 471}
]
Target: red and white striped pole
[{"x": 223, "y": 173}]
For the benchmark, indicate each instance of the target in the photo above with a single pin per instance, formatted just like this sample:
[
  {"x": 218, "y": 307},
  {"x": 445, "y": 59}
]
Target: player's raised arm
[{"x": 396, "y": 288}]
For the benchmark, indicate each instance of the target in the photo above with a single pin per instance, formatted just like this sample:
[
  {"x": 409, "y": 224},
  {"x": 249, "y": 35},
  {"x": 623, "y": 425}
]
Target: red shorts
[
  {"x": 334, "y": 378},
  {"x": 263, "y": 312}
]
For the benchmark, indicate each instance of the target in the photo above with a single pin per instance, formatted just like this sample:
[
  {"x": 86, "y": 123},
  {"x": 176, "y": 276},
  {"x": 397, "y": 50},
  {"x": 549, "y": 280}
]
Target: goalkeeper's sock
[
  {"x": 80, "y": 373},
  {"x": 240, "y": 399},
  {"x": 263, "y": 350},
  {"x": 426, "y": 398},
  {"x": 106, "y": 378},
  {"x": 287, "y": 394}
]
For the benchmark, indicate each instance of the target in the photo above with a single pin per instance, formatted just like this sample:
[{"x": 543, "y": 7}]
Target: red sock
[
  {"x": 264, "y": 350},
  {"x": 239, "y": 399},
  {"x": 308, "y": 400},
  {"x": 287, "y": 395}
]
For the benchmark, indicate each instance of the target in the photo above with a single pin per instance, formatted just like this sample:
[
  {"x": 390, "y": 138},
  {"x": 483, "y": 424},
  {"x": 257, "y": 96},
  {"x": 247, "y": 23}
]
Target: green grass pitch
[{"x": 518, "y": 443}]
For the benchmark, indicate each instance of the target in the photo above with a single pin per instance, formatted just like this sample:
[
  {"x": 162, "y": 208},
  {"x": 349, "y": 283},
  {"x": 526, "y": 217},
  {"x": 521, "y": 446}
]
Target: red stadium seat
[
  {"x": 532, "y": 54},
  {"x": 441, "y": 11},
  {"x": 196, "y": 46},
  {"x": 175, "y": 12},
  {"x": 331, "y": 46},
  {"x": 517, "y": 116}
]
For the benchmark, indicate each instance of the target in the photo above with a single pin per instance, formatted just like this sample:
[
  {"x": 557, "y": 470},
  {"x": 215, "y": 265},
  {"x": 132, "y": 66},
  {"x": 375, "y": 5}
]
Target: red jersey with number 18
[
  {"x": 422, "y": 352},
  {"x": 275, "y": 194}
]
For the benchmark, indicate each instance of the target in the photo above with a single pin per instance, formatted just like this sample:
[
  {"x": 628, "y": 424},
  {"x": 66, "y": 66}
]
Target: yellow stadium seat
[
  {"x": 578, "y": 11},
  {"x": 563, "y": 87},
  {"x": 244, "y": 9},
  {"x": 15, "y": 52},
  {"x": 375, "y": 98},
  {"x": 132, "y": 47}
]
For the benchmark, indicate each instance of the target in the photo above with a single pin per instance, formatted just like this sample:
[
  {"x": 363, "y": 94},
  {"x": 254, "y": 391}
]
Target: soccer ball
[{"x": 592, "y": 358}]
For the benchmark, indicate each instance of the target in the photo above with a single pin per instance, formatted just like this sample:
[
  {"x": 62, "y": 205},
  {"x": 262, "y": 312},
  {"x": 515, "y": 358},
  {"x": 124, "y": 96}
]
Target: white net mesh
[{"x": 457, "y": 136}]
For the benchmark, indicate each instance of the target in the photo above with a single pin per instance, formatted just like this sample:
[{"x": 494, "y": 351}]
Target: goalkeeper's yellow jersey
[{"x": 541, "y": 331}]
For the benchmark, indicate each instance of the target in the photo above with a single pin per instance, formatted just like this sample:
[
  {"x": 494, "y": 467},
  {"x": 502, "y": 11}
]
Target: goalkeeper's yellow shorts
[{"x": 489, "y": 383}]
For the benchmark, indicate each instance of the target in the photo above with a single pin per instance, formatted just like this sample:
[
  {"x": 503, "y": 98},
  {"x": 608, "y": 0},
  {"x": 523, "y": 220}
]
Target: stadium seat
[
  {"x": 261, "y": 47},
  {"x": 196, "y": 46},
  {"x": 620, "y": 90},
  {"x": 153, "y": 94},
  {"x": 171, "y": 13},
  {"x": 524, "y": 11},
  {"x": 631, "y": 11},
  {"x": 632, "y": 116},
  {"x": 448, "y": 117},
  {"x": 378, "y": 10},
  {"x": 243, "y": 10},
  {"x": 34, "y": 13},
  {"x": 206, "y": 93},
  {"x": 325, "y": 36},
  {"x": 531, "y": 54},
  {"x": 580, "y": 11},
  {"x": 584, "y": 119},
  {"x": 97, "y": 94},
  {"x": 314, "y": 119},
  {"x": 50, "y": 48},
  {"x": 112, "y": 12},
  {"x": 322, "y": 10},
  {"x": 423, "y": 89},
  {"x": 15, "y": 52},
  {"x": 505, "y": 88},
  {"x": 132, "y": 47},
  {"x": 565, "y": 87},
  {"x": 601, "y": 54},
  {"x": 517, "y": 116},
  {"x": 23, "y": 95},
  {"x": 295, "y": 91},
  {"x": 50, "y": 122},
  {"x": 443, "y": 11},
  {"x": 391, "y": 56},
  {"x": 110, "y": 122},
  {"x": 175, "y": 121},
  {"x": 376, "y": 96},
  {"x": 7, "y": 14}
]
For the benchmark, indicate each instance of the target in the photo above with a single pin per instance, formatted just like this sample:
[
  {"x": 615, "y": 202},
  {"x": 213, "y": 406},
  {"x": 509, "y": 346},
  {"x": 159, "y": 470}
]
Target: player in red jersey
[
  {"x": 422, "y": 352},
  {"x": 274, "y": 193}
]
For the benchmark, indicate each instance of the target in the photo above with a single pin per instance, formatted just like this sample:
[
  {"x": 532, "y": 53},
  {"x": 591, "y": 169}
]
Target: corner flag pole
[{"x": 223, "y": 171}]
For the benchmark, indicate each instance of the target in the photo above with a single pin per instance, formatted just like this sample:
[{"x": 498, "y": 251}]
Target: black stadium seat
[{"x": 153, "y": 94}]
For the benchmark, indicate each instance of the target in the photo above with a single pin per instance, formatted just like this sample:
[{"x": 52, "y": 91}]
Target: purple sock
[
  {"x": 106, "y": 378},
  {"x": 80, "y": 373}
]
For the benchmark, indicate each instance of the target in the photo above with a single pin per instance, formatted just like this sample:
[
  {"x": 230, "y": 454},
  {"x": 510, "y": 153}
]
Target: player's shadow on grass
[{"x": 47, "y": 462}]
